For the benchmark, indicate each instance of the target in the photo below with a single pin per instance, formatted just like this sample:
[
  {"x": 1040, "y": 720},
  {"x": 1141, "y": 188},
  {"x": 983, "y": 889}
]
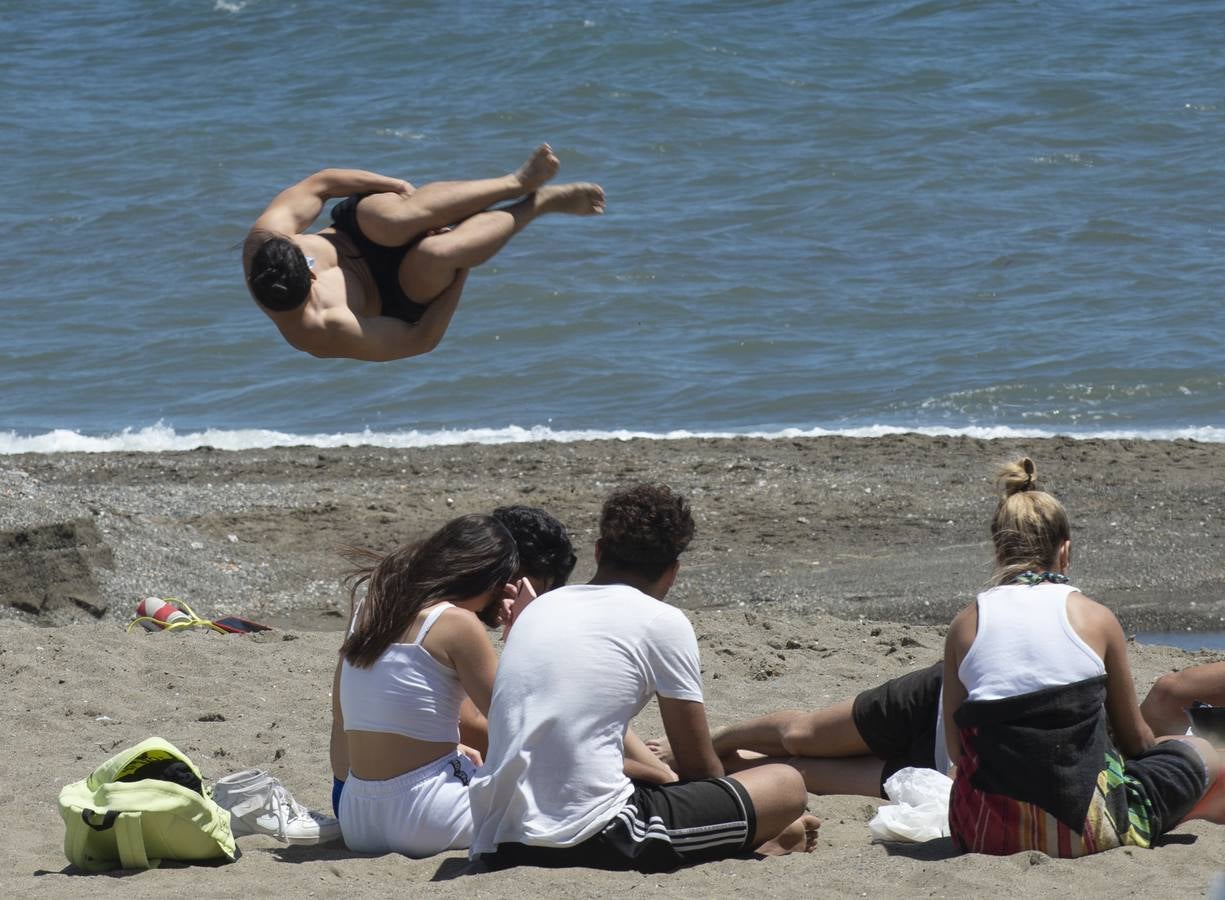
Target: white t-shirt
[{"x": 581, "y": 662}]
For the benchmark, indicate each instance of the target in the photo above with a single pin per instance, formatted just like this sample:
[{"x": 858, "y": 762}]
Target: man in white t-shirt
[{"x": 583, "y": 662}]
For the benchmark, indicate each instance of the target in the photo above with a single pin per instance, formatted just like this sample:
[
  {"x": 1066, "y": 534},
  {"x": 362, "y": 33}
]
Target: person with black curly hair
[
  {"x": 584, "y": 660},
  {"x": 546, "y": 556}
]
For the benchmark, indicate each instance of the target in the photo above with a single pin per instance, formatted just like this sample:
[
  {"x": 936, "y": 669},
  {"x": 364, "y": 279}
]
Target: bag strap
[
  {"x": 75, "y": 838},
  {"x": 108, "y": 820},
  {"x": 130, "y": 841},
  {"x": 129, "y": 838}
]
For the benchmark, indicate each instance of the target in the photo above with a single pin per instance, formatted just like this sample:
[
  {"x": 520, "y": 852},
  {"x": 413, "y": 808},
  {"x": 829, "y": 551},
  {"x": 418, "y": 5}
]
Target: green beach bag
[{"x": 140, "y": 807}]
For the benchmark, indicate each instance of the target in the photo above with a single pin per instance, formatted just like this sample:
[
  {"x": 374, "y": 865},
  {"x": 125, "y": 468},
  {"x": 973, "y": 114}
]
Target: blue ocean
[{"x": 989, "y": 217}]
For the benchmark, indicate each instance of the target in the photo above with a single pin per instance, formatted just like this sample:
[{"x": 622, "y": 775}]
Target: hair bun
[
  {"x": 1017, "y": 477},
  {"x": 1028, "y": 465}
]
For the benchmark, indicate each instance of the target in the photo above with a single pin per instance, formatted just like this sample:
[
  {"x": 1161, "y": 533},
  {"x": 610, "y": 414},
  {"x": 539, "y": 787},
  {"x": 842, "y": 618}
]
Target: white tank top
[
  {"x": 1025, "y": 643},
  {"x": 407, "y": 691}
]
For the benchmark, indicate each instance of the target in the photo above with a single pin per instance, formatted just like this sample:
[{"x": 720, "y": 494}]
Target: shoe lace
[{"x": 286, "y": 808}]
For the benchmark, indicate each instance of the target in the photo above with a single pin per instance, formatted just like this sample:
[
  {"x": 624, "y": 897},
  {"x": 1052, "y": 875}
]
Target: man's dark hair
[
  {"x": 545, "y": 551},
  {"x": 644, "y": 529},
  {"x": 279, "y": 277}
]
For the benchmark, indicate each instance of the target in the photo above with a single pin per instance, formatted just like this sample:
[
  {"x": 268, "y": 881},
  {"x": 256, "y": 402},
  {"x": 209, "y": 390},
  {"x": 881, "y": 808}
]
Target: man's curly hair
[
  {"x": 645, "y": 529},
  {"x": 545, "y": 551}
]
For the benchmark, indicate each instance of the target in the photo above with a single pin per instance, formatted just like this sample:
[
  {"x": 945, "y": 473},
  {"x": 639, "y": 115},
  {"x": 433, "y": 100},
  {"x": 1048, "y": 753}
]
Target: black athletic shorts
[
  {"x": 384, "y": 262},
  {"x": 661, "y": 827},
  {"x": 1171, "y": 778},
  {"x": 897, "y": 720}
]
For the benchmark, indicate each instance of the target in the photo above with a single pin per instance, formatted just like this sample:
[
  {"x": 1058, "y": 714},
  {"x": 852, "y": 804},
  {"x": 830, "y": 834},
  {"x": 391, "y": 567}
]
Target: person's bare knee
[
  {"x": 796, "y": 735},
  {"x": 778, "y": 796},
  {"x": 1175, "y": 691},
  {"x": 1163, "y": 706},
  {"x": 827, "y": 732}
]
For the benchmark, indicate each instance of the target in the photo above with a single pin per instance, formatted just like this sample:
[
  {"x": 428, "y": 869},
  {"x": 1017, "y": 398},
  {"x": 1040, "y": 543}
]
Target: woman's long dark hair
[{"x": 467, "y": 557}]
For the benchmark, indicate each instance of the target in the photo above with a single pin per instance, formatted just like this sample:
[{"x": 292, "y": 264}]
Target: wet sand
[{"x": 821, "y": 566}]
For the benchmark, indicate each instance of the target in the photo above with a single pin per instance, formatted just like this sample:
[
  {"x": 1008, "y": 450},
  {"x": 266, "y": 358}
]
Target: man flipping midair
[{"x": 383, "y": 281}]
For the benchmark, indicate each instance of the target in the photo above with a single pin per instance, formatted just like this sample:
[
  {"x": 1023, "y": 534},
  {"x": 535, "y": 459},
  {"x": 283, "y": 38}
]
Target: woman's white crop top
[{"x": 407, "y": 691}]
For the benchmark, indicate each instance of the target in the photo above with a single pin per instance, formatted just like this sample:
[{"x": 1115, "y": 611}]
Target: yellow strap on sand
[{"x": 196, "y": 621}]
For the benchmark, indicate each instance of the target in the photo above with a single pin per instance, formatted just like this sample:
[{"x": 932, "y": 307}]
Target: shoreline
[
  {"x": 891, "y": 528},
  {"x": 161, "y": 438}
]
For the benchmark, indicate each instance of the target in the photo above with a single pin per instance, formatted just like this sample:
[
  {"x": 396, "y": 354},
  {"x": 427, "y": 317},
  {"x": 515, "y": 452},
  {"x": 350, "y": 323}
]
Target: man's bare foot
[
  {"x": 539, "y": 168},
  {"x": 798, "y": 837},
  {"x": 578, "y": 198},
  {"x": 662, "y": 749}
]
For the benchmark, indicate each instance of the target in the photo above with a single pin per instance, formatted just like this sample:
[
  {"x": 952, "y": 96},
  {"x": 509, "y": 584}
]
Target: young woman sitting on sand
[
  {"x": 416, "y": 648},
  {"x": 1033, "y": 672}
]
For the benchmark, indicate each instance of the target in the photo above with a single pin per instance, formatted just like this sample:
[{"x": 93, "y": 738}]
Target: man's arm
[
  {"x": 473, "y": 727},
  {"x": 383, "y": 338},
  {"x": 294, "y": 209},
  {"x": 643, "y": 765},
  {"x": 689, "y": 736}
]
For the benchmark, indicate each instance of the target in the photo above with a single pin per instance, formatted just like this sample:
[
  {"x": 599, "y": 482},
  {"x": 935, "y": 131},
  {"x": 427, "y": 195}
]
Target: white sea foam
[{"x": 161, "y": 437}]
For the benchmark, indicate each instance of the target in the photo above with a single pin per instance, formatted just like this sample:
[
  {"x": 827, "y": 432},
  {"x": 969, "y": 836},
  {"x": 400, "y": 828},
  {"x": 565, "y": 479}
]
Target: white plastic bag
[{"x": 920, "y": 808}]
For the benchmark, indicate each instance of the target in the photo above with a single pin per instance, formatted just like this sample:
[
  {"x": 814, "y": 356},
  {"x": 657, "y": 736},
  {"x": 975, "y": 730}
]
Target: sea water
[
  {"x": 1184, "y": 640},
  {"x": 989, "y": 218}
]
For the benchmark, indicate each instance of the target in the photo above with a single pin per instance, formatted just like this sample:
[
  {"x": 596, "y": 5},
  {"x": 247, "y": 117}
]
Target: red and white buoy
[{"x": 155, "y": 614}]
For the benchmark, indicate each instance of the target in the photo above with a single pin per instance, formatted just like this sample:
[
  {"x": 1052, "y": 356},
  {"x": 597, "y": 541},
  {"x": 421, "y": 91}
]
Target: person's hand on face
[{"x": 518, "y": 595}]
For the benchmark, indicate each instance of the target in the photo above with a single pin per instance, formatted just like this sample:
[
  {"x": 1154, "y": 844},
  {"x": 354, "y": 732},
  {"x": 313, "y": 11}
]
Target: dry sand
[{"x": 822, "y": 566}]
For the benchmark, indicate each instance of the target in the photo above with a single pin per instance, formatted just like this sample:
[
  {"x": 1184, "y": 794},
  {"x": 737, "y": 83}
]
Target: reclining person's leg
[
  {"x": 846, "y": 748},
  {"x": 794, "y": 732},
  {"x": 1165, "y": 706},
  {"x": 837, "y": 775}
]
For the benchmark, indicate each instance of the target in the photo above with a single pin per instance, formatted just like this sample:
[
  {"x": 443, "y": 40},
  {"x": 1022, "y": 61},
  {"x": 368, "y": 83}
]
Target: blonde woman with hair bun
[{"x": 1033, "y": 672}]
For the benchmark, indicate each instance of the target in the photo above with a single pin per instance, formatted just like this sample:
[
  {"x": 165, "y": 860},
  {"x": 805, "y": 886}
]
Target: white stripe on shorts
[{"x": 694, "y": 838}]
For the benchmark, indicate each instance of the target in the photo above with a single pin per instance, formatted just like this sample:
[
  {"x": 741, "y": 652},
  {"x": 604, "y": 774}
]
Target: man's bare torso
[
  {"x": 342, "y": 277},
  {"x": 342, "y": 286}
]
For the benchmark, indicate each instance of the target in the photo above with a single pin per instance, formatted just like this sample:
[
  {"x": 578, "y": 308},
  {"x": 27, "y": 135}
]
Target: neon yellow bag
[{"x": 125, "y": 815}]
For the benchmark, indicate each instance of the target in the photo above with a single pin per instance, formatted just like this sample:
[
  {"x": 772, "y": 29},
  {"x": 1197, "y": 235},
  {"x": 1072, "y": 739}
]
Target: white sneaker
[{"x": 259, "y": 804}]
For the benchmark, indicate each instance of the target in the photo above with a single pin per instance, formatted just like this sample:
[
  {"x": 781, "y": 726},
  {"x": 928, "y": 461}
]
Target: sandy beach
[{"x": 821, "y": 566}]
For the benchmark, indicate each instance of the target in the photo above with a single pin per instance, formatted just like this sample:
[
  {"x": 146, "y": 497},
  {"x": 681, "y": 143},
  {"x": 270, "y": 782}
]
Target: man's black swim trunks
[{"x": 384, "y": 262}]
